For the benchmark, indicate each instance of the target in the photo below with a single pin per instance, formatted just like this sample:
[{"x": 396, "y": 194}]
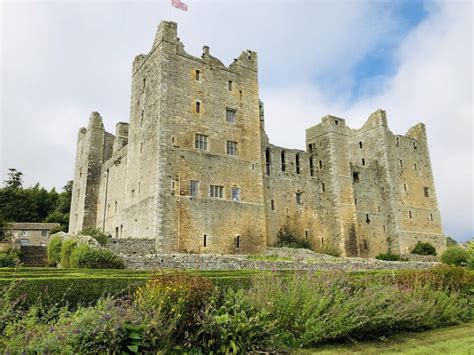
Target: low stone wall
[
  {"x": 132, "y": 246},
  {"x": 232, "y": 262}
]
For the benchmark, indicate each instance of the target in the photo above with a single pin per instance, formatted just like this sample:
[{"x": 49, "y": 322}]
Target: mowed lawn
[{"x": 456, "y": 340}]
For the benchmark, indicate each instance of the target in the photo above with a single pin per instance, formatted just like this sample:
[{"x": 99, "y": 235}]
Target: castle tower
[
  {"x": 89, "y": 159},
  {"x": 329, "y": 140}
]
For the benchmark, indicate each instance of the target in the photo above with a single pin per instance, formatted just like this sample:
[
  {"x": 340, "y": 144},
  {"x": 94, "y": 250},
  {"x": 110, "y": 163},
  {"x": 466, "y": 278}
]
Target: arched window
[
  {"x": 283, "y": 161},
  {"x": 298, "y": 167},
  {"x": 267, "y": 160}
]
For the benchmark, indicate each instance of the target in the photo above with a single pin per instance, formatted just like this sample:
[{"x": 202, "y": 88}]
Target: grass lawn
[{"x": 452, "y": 340}]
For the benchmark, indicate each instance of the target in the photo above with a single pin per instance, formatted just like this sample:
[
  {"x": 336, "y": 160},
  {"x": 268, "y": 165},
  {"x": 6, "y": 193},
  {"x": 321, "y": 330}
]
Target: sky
[{"x": 61, "y": 60}]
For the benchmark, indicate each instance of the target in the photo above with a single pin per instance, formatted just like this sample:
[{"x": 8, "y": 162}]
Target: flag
[{"x": 180, "y": 5}]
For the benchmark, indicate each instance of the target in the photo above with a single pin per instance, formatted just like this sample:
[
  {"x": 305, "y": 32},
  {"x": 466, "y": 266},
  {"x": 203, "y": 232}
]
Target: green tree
[{"x": 14, "y": 180}]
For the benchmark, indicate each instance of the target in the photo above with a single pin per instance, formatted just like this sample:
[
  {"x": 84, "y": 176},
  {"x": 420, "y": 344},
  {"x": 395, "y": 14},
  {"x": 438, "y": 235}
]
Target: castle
[{"x": 195, "y": 171}]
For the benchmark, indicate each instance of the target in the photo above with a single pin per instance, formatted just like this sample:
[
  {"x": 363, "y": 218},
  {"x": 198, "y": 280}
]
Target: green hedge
[
  {"x": 85, "y": 256},
  {"x": 455, "y": 256},
  {"x": 66, "y": 250},
  {"x": 54, "y": 250}
]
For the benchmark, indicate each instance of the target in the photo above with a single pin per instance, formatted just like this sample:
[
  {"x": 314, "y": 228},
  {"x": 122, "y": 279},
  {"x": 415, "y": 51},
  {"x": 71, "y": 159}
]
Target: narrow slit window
[
  {"x": 323, "y": 187},
  {"x": 267, "y": 161},
  {"x": 410, "y": 215},
  {"x": 272, "y": 204},
  {"x": 306, "y": 234},
  {"x": 298, "y": 198},
  {"x": 365, "y": 245},
  {"x": 367, "y": 218},
  {"x": 237, "y": 242},
  {"x": 405, "y": 187},
  {"x": 360, "y": 145},
  {"x": 363, "y": 161},
  {"x": 298, "y": 167},
  {"x": 204, "y": 240},
  {"x": 197, "y": 75},
  {"x": 283, "y": 161},
  {"x": 198, "y": 107},
  {"x": 311, "y": 167},
  {"x": 415, "y": 167},
  {"x": 356, "y": 176},
  {"x": 229, "y": 85},
  {"x": 431, "y": 217},
  {"x": 426, "y": 191},
  {"x": 401, "y": 163},
  {"x": 320, "y": 164}
]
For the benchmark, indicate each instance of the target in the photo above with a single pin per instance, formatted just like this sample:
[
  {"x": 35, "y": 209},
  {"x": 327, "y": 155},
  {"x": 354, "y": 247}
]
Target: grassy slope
[{"x": 452, "y": 340}]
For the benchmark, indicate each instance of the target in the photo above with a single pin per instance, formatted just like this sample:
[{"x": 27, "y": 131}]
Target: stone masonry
[{"x": 195, "y": 172}]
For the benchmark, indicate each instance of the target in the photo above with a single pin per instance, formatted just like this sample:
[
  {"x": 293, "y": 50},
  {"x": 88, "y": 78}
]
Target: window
[
  {"x": 121, "y": 230},
  {"x": 144, "y": 84},
  {"x": 365, "y": 245},
  {"x": 410, "y": 214},
  {"x": 230, "y": 115},
  {"x": 383, "y": 227},
  {"x": 405, "y": 187},
  {"x": 323, "y": 187},
  {"x": 133, "y": 193},
  {"x": 414, "y": 145},
  {"x": 363, "y": 161},
  {"x": 229, "y": 86},
  {"x": 141, "y": 118},
  {"x": 216, "y": 191},
  {"x": 431, "y": 217},
  {"x": 231, "y": 148},
  {"x": 320, "y": 164},
  {"x": 298, "y": 167},
  {"x": 311, "y": 167},
  {"x": 283, "y": 161},
  {"x": 115, "y": 207},
  {"x": 298, "y": 198},
  {"x": 267, "y": 161},
  {"x": 401, "y": 163},
  {"x": 44, "y": 233},
  {"x": 378, "y": 209},
  {"x": 310, "y": 147},
  {"x": 414, "y": 166},
  {"x": 197, "y": 75},
  {"x": 398, "y": 141},
  {"x": 272, "y": 204},
  {"x": 426, "y": 190},
  {"x": 235, "y": 193},
  {"x": 198, "y": 107},
  {"x": 367, "y": 218},
  {"x": 336, "y": 122},
  {"x": 306, "y": 234},
  {"x": 204, "y": 240},
  {"x": 356, "y": 176},
  {"x": 355, "y": 201},
  {"x": 193, "y": 188},
  {"x": 116, "y": 232},
  {"x": 360, "y": 145},
  {"x": 237, "y": 242},
  {"x": 200, "y": 142}
]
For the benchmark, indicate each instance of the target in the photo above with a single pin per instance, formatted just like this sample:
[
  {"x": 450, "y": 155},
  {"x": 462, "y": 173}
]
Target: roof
[{"x": 32, "y": 226}]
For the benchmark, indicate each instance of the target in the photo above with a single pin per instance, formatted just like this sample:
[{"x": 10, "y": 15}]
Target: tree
[{"x": 15, "y": 179}]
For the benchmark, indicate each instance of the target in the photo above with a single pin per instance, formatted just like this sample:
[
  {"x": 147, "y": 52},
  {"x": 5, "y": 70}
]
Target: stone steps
[{"x": 34, "y": 256}]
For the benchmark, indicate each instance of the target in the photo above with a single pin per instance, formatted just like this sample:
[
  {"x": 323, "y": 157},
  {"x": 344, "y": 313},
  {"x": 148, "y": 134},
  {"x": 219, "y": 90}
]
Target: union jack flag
[{"x": 180, "y": 5}]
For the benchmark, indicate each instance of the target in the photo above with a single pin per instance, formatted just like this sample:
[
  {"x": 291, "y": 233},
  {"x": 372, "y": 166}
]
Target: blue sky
[{"x": 62, "y": 60}]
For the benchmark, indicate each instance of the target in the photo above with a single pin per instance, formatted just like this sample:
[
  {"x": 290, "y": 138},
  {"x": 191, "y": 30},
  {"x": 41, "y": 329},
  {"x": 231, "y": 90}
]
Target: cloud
[
  {"x": 433, "y": 84},
  {"x": 62, "y": 60}
]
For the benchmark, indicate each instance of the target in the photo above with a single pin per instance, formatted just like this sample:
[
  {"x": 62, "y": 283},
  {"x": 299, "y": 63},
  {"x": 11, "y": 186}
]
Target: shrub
[
  {"x": 171, "y": 307},
  {"x": 470, "y": 262},
  {"x": 101, "y": 237},
  {"x": 232, "y": 325},
  {"x": 86, "y": 256},
  {"x": 9, "y": 259},
  {"x": 328, "y": 249},
  {"x": 54, "y": 250},
  {"x": 288, "y": 240},
  {"x": 66, "y": 250},
  {"x": 57, "y": 229},
  {"x": 424, "y": 249},
  {"x": 390, "y": 257},
  {"x": 455, "y": 256}
]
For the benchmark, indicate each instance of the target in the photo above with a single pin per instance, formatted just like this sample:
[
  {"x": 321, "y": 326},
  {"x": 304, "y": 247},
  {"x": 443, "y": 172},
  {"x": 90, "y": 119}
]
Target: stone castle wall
[{"x": 195, "y": 121}]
